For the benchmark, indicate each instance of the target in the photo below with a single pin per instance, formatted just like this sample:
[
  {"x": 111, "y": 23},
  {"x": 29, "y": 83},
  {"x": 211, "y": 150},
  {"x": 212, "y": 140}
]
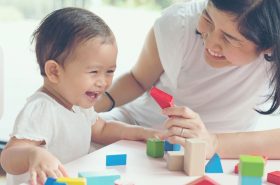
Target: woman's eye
[
  {"x": 207, "y": 20},
  {"x": 94, "y": 72}
]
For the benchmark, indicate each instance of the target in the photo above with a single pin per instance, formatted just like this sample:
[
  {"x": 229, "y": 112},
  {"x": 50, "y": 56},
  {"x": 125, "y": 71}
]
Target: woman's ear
[
  {"x": 52, "y": 70},
  {"x": 268, "y": 54}
]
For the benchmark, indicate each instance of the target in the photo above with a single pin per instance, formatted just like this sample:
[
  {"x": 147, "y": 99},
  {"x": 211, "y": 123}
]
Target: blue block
[
  {"x": 176, "y": 147},
  {"x": 59, "y": 183},
  {"x": 107, "y": 177},
  {"x": 171, "y": 147},
  {"x": 116, "y": 159},
  {"x": 246, "y": 180},
  {"x": 214, "y": 165},
  {"x": 50, "y": 181}
]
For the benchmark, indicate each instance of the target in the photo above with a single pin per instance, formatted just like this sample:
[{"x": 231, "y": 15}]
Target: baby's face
[{"x": 88, "y": 72}]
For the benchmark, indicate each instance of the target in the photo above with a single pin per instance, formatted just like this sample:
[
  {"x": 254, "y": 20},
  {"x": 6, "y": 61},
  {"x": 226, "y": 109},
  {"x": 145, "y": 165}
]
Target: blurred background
[{"x": 130, "y": 20}]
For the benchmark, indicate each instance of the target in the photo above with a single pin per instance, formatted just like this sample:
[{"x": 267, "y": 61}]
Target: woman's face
[{"x": 224, "y": 45}]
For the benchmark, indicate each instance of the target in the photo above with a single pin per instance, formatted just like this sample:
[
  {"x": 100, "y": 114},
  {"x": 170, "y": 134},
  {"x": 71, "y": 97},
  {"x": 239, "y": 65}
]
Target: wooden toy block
[
  {"x": 252, "y": 166},
  {"x": 171, "y": 147},
  {"x": 175, "y": 160},
  {"x": 50, "y": 181},
  {"x": 163, "y": 99},
  {"x": 214, "y": 165},
  {"x": 274, "y": 177},
  {"x": 204, "y": 180},
  {"x": 246, "y": 180},
  {"x": 107, "y": 177},
  {"x": 59, "y": 183},
  {"x": 72, "y": 181},
  {"x": 115, "y": 159},
  {"x": 194, "y": 158},
  {"x": 236, "y": 166},
  {"x": 155, "y": 148}
]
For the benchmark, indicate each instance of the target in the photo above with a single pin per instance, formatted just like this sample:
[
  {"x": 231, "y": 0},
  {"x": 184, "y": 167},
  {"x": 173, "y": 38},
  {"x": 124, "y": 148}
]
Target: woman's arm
[
  {"x": 107, "y": 132},
  {"x": 142, "y": 76},
  {"x": 266, "y": 143}
]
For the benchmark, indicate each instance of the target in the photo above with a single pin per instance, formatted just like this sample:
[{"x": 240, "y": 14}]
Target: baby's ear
[{"x": 52, "y": 70}]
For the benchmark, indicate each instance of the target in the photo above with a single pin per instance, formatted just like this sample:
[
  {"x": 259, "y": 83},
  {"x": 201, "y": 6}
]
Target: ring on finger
[{"x": 182, "y": 132}]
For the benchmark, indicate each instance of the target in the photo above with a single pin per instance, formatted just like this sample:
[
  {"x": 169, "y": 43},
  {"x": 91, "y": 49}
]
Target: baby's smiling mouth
[{"x": 91, "y": 94}]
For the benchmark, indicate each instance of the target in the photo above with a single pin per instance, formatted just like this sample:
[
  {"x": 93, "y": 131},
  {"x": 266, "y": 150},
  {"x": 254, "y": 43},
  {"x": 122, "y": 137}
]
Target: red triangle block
[
  {"x": 204, "y": 180},
  {"x": 163, "y": 99}
]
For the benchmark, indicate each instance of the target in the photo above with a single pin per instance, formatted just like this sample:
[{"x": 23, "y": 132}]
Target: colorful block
[
  {"x": 245, "y": 180},
  {"x": 204, "y": 180},
  {"x": 194, "y": 158},
  {"x": 107, "y": 177},
  {"x": 175, "y": 160},
  {"x": 214, "y": 165},
  {"x": 155, "y": 148},
  {"x": 236, "y": 166},
  {"x": 171, "y": 147},
  {"x": 274, "y": 177},
  {"x": 252, "y": 166},
  {"x": 163, "y": 99},
  {"x": 50, "y": 181},
  {"x": 59, "y": 183},
  {"x": 115, "y": 159},
  {"x": 72, "y": 181}
]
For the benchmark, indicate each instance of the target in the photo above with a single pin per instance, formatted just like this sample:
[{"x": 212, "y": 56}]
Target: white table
[{"x": 144, "y": 170}]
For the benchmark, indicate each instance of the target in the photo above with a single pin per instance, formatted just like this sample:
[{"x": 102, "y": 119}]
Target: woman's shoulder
[{"x": 189, "y": 8}]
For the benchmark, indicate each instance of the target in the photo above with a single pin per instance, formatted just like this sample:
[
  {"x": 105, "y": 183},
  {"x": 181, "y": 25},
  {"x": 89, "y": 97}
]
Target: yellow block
[{"x": 72, "y": 181}]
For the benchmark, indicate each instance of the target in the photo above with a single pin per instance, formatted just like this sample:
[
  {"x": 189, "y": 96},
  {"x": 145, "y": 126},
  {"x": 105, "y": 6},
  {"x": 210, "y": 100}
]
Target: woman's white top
[
  {"x": 67, "y": 134},
  {"x": 225, "y": 98}
]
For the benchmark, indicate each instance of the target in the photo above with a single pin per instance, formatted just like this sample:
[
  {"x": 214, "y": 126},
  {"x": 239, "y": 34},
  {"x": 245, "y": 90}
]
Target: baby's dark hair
[
  {"x": 62, "y": 30},
  {"x": 259, "y": 22}
]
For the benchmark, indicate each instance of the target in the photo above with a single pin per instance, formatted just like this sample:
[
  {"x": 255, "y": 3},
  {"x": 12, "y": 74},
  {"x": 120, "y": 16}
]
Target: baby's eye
[
  {"x": 111, "y": 71},
  {"x": 94, "y": 72}
]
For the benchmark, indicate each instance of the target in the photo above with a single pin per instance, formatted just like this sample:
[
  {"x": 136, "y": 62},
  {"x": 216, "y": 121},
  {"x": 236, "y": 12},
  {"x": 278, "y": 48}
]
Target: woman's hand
[
  {"x": 184, "y": 123},
  {"x": 43, "y": 164}
]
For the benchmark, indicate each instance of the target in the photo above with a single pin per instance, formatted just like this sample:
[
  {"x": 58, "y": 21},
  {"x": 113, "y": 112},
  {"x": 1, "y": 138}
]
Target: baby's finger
[
  {"x": 42, "y": 176},
  {"x": 51, "y": 173},
  {"x": 63, "y": 170},
  {"x": 58, "y": 173},
  {"x": 33, "y": 177}
]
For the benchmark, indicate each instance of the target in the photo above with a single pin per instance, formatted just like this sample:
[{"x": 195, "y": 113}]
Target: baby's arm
[
  {"x": 22, "y": 155},
  {"x": 106, "y": 132}
]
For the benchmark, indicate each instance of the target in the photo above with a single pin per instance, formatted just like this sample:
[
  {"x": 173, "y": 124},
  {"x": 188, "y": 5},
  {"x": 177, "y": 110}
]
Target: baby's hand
[
  {"x": 159, "y": 134},
  {"x": 43, "y": 164}
]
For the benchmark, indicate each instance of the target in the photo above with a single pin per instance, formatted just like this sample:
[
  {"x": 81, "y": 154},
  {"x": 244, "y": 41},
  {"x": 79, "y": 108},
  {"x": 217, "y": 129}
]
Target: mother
[{"x": 216, "y": 58}]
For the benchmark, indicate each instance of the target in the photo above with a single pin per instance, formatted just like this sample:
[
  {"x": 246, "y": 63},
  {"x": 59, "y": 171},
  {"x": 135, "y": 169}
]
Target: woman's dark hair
[
  {"x": 259, "y": 22},
  {"x": 62, "y": 30}
]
